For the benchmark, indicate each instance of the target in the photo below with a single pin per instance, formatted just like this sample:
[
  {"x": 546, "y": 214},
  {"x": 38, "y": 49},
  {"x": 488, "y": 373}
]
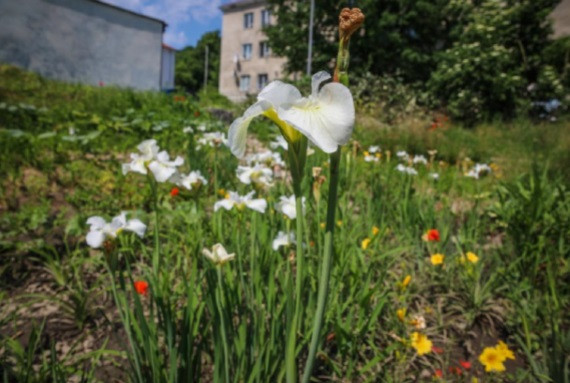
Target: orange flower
[
  {"x": 141, "y": 287},
  {"x": 438, "y": 373},
  {"x": 465, "y": 364},
  {"x": 197, "y": 114},
  {"x": 174, "y": 192},
  {"x": 431, "y": 235}
]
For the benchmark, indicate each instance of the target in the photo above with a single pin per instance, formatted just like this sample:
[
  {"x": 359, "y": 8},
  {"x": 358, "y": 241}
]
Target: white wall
[
  {"x": 168, "y": 61},
  {"x": 81, "y": 41}
]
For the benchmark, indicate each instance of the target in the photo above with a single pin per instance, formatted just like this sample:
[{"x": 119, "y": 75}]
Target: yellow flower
[
  {"x": 375, "y": 230},
  {"x": 366, "y": 154},
  {"x": 322, "y": 225},
  {"x": 339, "y": 223},
  {"x": 378, "y": 155},
  {"x": 492, "y": 359},
  {"x": 222, "y": 192},
  {"x": 474, "y": 380},
  {"x": 401, "y": 313},
  {"x": 472, "y": 257},
  {"x": 505, "y": 351},
  {"x": 365, "y": 243},
  {"x": 406, "y": 281},
  {"x": 437, "y": 259},
  {"x": 421, "y": 343}
]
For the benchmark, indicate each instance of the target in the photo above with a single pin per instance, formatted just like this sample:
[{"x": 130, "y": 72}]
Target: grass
[{"x": 70, "y": 311}]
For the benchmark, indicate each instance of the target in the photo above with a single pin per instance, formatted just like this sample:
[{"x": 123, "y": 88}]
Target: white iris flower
[
  {"x": 218, "y": 255},
  {"x": 148, "y": 150},
  {"x": 326, "y": 117},
  {"x": 162, "y": 168},
  {"x": 258, "y": 174},
  {"x": 233, "y": 199},
  {"x": 190, "y": 181},
  {"x": 100, "y": 230},
  {"x": 287, "y": 206},
  {"x": 419, "y": 159},
  {"x": 283, "y": 239},
  {"x": 406, "y": 169}
]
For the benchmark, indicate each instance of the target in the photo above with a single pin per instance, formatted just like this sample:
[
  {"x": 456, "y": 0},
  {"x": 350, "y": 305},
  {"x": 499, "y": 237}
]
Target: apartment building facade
[{"x": 246, "y": 61}]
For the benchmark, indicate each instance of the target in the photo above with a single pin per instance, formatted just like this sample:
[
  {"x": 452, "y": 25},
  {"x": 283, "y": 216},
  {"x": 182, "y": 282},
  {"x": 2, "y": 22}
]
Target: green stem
[
  {"x": 223, "y": 326},
  {"x": 326, "y": 267},
  {"x": 155, "y": 255}
]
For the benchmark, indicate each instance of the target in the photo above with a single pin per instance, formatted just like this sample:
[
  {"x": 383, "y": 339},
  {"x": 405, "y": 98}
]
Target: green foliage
[{"x": 190, "y": 63}]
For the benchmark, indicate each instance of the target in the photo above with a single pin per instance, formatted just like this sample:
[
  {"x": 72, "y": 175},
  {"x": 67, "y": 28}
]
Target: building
[
  {"x": 561, "y": 19},
  {"x": 86, "y": 41},
  {"x": 246, "y": 61}
]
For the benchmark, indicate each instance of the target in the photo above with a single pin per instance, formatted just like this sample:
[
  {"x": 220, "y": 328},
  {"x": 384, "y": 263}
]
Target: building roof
[
  {"x": 168, "y": 47},
  {"x": 131, "y": 12},
  {"x": 240, "y": 4}
]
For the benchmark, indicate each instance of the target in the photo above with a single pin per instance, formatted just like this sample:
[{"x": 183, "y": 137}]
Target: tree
[
  {"x": 190, "y": 62},
  {"x": 399, "y": 36}
]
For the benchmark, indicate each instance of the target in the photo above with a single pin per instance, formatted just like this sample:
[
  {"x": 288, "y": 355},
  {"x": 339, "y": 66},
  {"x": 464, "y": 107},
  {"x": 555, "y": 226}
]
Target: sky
[{"x": 187, "y": 20}]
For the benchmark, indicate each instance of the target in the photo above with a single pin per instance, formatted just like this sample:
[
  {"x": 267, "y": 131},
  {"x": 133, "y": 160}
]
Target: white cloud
[{"x": 176, "y": 13}]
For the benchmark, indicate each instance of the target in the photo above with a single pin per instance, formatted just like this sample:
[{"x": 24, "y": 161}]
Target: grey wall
[{"x": 81, "y": 41}]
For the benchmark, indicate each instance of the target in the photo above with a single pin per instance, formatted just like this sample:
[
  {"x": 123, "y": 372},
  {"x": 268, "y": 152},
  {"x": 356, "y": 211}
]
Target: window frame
[
  {"x": 246, "y": 17},
  {"x": 243, "y": 50},
  {"x": 264, "y": 52},
  {"x": 241, "y": 81},
  {"x": 259, "y": 85},
  {"x": 265, "y": 20}
]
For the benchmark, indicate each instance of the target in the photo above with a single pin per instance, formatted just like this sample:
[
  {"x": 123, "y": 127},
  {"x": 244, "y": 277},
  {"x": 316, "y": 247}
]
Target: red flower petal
[
  {"x": 141, "y": 287},
  {"x": 174, "y": 192},
  {"x": 438, "y": 373},
  {"x": 465, "y": 364}
]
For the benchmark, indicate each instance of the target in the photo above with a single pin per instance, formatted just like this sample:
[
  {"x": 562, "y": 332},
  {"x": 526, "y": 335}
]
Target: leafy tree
[
  {"x": 399, "y": 36},
  {"x": 189, "y": 72}
]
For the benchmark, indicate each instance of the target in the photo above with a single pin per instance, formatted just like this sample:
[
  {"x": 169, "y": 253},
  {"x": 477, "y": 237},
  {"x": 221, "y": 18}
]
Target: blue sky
[{"x": 187, "y": 19}]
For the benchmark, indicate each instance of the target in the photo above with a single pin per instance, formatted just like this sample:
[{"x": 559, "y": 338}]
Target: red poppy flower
[
  {"x": 431, "y": 235},
  {"x": 465, "y": 364},
  {"x": 438, "y": 373},
  {"x": 437, "y": 350},
  {"x": 141, "y": 287},
  {"x": 174, "y": 192}
]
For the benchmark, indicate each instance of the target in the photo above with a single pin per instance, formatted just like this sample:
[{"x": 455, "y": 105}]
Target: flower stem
[
  {"x": 223, "y": 326},
  {"x": 155, "y": 254},
  {"x": 326, "y": 266}
]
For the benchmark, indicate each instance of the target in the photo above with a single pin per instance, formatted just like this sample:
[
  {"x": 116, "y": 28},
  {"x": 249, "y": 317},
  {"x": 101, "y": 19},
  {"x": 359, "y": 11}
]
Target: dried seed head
[{"x": 349, "y": 21}]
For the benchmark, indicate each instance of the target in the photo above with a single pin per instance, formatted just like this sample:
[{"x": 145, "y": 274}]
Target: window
[
  {"x": 244, "y": 83},
  {"x": 248, "y": 20},
  {"x": 261, "y": 80},
  {"x": 264, "y": 49},
  {"x": 265, "y": 17},
  {"x": 246, "y": 51}
]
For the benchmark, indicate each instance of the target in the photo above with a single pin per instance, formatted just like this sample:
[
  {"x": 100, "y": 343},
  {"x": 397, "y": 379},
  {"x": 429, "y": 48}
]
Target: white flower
[
  {"x": 162, "y": 168},
  {"x": 201, "y": 128},
  {"x": 287, "y": 206},
  {"x": 218, "y": 255},
  {"x": 283, "y": 239},
  {"x": 241, "y": 202},
  {"x": 370, "y": 158},
  {"x": 326, "y": 117},
  {"x": 259, "y": 174},
  {"x": 214, "y": 139},
  {"x": 419, "y": 159},
  {"x": 188, "y": 129},
  {"x": 190, "y": 181},
  {"x": 406, "y": 169},
  {"x": 402, "y": 155},
  {"x": 374, "y": 149},
  {"x": 148, "y": 150},
  {"x": 279, "y": 142},
  {"x": 478, "y": 170},
  {"x": 267, "y": 157},
  {"x": 99, "y": 229},
  {"x": 434, "y": 176}
]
